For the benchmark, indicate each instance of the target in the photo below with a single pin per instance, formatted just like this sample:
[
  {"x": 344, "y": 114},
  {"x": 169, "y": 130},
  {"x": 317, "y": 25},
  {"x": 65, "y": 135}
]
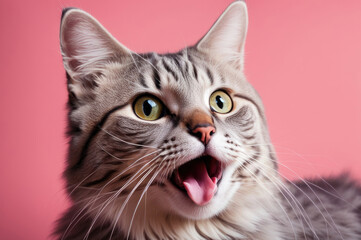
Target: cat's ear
[
  {"x": 86, "y": 47},
  {"x": 226, "y": 39}
]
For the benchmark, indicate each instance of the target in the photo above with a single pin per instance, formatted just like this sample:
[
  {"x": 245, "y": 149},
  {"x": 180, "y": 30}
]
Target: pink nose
[{"x": 204, "y": 133}]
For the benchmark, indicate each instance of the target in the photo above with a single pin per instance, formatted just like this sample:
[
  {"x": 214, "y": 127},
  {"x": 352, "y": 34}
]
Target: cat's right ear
[
  {"x": 86, "y": 47},
  {"x": 226, "y": 39}
]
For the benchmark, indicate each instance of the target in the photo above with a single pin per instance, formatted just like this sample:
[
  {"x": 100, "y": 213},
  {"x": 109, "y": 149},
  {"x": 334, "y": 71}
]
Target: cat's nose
[
  {"x": 200, "y": 124},
  {"x": 204, "y": 132}
]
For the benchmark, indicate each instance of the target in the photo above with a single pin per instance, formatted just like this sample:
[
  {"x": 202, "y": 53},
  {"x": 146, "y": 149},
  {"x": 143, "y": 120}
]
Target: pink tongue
[{"x": 199, "y": 186}]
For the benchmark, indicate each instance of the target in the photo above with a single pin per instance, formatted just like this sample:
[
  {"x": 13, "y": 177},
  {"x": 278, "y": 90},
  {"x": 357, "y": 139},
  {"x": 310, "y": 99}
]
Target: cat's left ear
[
  {"x": 87, "y": 47},
  {"x": 226, "y": 39}
]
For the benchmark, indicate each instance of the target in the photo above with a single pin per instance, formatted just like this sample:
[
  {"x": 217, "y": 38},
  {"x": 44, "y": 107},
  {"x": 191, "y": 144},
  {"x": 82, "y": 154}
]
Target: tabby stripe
[
  {"x": 222, "y": 79},
  {"x": 146, "y": 236},
  {"x": 178, "y": 63},
  {"x": 187, "y": 69},
  {"x": 250, "y": 100},
  {"x": 163, "y": 231},
  {"x": 156, "y": 78},
  {"x": 226, "y": 224},
  {"x": 358, "y": 212},
  {"x": 133, "y": 134},
  {"x": 256, "y": 156},
  {"x": 113, "y": 162},
  {"x": 247, "y": 128},
  {"x": 102, "y": 179},
  {"x": 121, "y": 178},
  {"x": 245, "y": 163},
  {"x": 179, "y": 66},
  {"x": 159, "y": 184},
  {"x": 199, "y": 231},
  {"x": 195, "y": 72},
  {"x": 93, "y": 133},
  {"x": 226, "y": 234},
  {"x": 210, "y": 76},
  {"x": 251, "y": 159},
  {"x": 245, "y": 123},
  {"x": 167, "y": 67},
  {"x": 272, "y": 156},
  {"x": 153, "y": 232},
  {"x": 249, "y": 137},
  {"x": 142, "y": 81},
  {"x": 256, "y": 148}
]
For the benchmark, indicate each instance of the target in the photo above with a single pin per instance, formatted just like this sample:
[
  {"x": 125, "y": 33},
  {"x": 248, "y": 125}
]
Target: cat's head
[{"x": 182, "y": 133}]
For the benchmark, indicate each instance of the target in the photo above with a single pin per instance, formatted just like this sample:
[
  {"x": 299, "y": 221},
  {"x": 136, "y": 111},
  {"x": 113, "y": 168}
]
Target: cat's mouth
[{"x": 198, "y": 178}]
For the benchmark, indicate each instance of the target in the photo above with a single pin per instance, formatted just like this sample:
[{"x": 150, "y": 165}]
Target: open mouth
[{"x": 198, "y": 178}]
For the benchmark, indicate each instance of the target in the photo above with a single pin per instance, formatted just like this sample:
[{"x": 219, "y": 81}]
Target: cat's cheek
[{"x": 218, "y": 149}]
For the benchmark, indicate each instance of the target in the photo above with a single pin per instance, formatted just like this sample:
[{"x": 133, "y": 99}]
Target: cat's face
[{"x": 178, "y": 134}]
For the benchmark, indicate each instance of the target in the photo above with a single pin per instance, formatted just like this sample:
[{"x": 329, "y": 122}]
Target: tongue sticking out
[{"x": 199, "y": 185}]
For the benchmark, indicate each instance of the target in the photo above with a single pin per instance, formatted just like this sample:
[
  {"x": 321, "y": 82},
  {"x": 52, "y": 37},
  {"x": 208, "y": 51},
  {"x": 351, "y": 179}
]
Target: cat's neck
[{"x": 246, "y": 218}]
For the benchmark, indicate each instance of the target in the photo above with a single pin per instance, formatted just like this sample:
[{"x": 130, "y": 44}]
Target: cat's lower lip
[{"x": 199, "y": 178}]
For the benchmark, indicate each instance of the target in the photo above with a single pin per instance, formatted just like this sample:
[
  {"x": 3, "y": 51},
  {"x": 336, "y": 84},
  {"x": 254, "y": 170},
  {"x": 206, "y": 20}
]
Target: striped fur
[{"x": 119, "y": 166}]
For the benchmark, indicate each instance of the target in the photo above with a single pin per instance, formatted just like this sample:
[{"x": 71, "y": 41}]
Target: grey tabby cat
[{"x": 176, "y": 146}]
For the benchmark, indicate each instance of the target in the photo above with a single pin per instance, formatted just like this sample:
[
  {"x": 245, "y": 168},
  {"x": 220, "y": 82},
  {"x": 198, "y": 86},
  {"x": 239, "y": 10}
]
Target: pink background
[{"x": 304, "y": 57}]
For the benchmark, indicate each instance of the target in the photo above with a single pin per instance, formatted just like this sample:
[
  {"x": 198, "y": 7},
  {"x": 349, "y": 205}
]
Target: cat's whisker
[
  {"x": 141, "y": 196},
  {"x": 147, "y": 61},
  {"x": 77, "y": 217},
  {"x": 282, "y": 185},
  {"x": 81, "y": 182},
  {"x": 107, "y": 152},
  {"x": 279, "y": 184},
  {"x": 299, "y": 206},
  {"x": 89, "y": 175},
  {"x": 131, "y": 180},
  {"x": 318, "y": 176},
  {"x": 319, "y": 200},
  {"x": 312, "y": 184},
  {"x": 129, "y": 167},
  {"x": 271, "y": 194},
  {"x": 121, "y": 140},
  {"x": 133, "y": 60},
  {"x": 129, "y": 196},
  {"x": 134, "y": 164},
  {"x": 100, "y": 194},
  {"x": 110, "y": 199}
]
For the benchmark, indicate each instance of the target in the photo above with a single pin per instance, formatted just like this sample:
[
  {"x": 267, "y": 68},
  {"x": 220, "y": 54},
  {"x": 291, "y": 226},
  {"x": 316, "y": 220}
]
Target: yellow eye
[
  {"x": 220, "y": 102},
  {"x": 148, "y": 108}
]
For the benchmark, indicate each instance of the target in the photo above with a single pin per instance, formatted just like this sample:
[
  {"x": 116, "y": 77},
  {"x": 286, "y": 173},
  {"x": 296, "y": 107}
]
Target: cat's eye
[
  {"x": 148, "y": 108},
  {"x": 220, "y": 102}
]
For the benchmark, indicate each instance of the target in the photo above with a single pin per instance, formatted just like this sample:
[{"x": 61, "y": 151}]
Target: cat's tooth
[
  {"x": 214, "y": 180},
  {"x": 178, "y": 179}
]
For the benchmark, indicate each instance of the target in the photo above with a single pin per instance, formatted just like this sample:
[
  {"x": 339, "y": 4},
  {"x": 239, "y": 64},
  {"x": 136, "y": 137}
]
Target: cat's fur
[{"x": 119, "y": 166}]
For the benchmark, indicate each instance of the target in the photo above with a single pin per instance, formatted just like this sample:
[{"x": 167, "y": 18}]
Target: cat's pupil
[
  {"x": 219, "y": 101},
  {"x": 147, "y": 106}
]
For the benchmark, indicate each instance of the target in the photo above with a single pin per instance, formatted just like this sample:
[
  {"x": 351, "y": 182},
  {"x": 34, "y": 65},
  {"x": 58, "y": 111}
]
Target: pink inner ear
[{"x": 86, "y": 44}]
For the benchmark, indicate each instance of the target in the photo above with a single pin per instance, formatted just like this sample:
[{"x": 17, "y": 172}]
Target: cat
[{"x": 176, "y": 146}]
